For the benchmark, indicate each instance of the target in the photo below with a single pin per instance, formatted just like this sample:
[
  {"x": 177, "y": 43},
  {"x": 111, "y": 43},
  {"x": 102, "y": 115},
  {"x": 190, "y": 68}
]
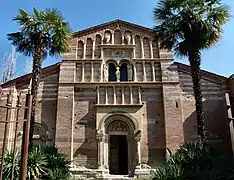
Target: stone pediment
[
  {"x": 124, "y": 29},
  {"x": 124, "y": 36},
  {"x": 114, "y": 25}
]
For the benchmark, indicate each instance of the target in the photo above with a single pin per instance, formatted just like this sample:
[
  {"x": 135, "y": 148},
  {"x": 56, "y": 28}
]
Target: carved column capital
[
  {"x": 99, "y": 135},
  {"x": 137, "y": 136}
]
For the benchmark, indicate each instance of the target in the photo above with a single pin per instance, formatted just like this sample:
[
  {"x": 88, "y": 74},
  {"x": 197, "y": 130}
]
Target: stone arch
[
  {"x": 129, "y": 70},
  {"x": 107, "y": 118},
  {"x": 97, "y": 46},
  {"x": 138, "y": 46},
  {"x": 118, "y": 37},
  {"x": 146, "y": 46},
  {"x": 124, "y": 61},
  {"x": 89, "y": 48},
  {"x": 40, "y": 133},
  {"x": 112, "y": 61},
  {"x": 155, "y": 47},
  {"x": 80, "y": 50}
]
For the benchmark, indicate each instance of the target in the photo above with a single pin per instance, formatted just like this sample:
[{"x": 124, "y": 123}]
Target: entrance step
[{"x": 117, "y": 177}]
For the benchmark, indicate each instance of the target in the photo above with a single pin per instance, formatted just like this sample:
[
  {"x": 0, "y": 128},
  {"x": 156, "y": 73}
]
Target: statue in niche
[
  {"x": 106, "y": 73},
  {"x": 128, "y": 38},
  {"x": 129, "y": 72},
  {"x": 117, "y": 73},
  {"x": 107, "y": 37}
]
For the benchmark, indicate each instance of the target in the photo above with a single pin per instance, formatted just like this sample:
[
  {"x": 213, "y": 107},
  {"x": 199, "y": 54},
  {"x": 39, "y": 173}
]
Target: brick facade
[{"x": 77, "y": 103}]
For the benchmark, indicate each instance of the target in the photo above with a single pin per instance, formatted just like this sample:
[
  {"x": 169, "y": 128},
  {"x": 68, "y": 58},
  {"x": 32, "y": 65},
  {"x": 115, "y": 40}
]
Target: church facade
[{"x": 116, "y": 102}]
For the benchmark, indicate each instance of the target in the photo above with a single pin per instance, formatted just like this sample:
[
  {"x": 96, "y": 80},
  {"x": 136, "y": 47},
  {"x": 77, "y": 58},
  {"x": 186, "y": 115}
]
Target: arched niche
[
  {"x": 127, "y": 37},
  {"x": 89, "y": 48},
  {"x": 146, "y": 46},
  {"x": 39, "y": 134},
  {"x": 155, "y": 48},
  {"x": 137, "y": 46},
  {"x": 97, "y": 46},
  {"x": 80, "y": 50},
  {"x": 118, "y": 37},
  {"x": 107, "y": 37}
]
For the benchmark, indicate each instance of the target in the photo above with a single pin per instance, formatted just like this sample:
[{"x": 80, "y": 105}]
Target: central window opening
[
  {"x": 112, "y": 72},
  {"x": 118, "y": 151},
  {"x": 124, "y": 72}
]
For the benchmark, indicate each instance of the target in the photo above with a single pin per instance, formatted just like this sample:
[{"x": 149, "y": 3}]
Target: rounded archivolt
[
  {"x": 117, "y": 125},
  {"x": 127, "y": 118}
]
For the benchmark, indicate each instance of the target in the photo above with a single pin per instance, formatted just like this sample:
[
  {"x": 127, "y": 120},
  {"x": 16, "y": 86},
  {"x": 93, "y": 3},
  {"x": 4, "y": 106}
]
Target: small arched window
[
  {"x": 112, "y": 72},
  {"x": 124, "y": 72}
]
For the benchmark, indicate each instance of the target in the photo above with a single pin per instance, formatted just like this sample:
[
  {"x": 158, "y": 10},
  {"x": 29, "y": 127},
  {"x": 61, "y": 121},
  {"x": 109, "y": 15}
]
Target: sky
[{"x": 82, "y": 14}]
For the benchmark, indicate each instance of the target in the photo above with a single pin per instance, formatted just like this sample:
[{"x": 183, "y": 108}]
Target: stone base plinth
[{"x": 81, "y": 173}]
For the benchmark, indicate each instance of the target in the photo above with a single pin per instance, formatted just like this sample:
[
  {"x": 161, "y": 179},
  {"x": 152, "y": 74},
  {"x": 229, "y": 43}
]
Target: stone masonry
[{"x": 116, "y": 91}]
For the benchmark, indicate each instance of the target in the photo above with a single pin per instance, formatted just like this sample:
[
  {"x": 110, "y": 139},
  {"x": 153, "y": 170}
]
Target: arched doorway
[
  {"x": 120, "y": 146},
  {"x": 118, "y": 132}
]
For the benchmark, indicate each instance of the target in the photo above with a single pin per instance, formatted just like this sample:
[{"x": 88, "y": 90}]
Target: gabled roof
[
  {"x": 114, "y": 22},
  {"x": 204, "y": 74},
  {"x": 26, "y": 78}
]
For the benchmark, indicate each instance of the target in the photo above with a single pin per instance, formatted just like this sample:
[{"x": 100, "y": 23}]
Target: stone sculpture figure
[
  {"x": 128, "y": 37},
  {"x": 129, "y": 72},
  {"x": 107, "y": 37},
  {"x": 106, "y": 73},
  {"x": 118, "y": 74}
]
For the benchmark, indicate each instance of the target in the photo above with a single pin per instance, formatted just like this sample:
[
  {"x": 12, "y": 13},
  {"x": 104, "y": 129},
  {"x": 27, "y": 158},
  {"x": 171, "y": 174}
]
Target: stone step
[{"x": 117, "y": 177}]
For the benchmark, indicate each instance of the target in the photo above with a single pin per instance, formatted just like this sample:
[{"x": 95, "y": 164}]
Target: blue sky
[{"x": 83, "y": 14}]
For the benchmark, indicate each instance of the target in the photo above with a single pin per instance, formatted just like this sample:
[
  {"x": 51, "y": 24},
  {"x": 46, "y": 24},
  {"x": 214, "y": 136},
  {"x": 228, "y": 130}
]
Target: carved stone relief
[
  {"x": 128, "y": 38},
  {"x": 107, "y": 37},
  {"x": 106, "y": 72},
  {"x": 130, "y": 75},
  {"x": 117, "y": 73},
  {"x": 117, "y": 54},
  {"x": 118, "y": 126},
  {"x": 99, "y": 135}
]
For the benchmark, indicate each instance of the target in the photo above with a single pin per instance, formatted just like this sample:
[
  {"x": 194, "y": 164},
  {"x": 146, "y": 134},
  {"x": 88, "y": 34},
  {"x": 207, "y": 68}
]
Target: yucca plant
[
  {"x": 57, "y": 174},
  {"x": 8, "y": 157},
  {"x": 44, "y": 162},
  {"x": 58, "y": 164},
  {"x": 192, "y": 163},
  {"x": 37, "y": 163}
]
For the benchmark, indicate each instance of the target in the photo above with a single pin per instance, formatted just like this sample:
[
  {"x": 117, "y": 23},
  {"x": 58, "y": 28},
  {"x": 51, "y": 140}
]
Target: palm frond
[
  {"x": 22, "y": 41},
  {"x": 196, "y": 21}
]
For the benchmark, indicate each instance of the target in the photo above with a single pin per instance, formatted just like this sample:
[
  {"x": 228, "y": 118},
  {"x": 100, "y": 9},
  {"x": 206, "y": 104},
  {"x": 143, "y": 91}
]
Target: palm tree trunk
[
  {"x": 195, "y": 62},
  {"x": 36, "y": 73}
]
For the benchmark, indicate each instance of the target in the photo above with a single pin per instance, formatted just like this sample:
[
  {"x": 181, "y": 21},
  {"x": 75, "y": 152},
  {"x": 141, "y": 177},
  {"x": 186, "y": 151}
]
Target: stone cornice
[{"x": 105, "y": 25}]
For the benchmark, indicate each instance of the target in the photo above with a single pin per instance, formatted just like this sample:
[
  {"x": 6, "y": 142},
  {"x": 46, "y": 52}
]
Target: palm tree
[
  {"x": 41, "y": 34},
  {"x": 187, "y": 27}
]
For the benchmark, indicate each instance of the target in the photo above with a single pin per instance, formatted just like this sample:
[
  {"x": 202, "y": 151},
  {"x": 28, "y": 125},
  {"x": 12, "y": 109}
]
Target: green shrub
[
  {"x": 8, "y": 157},
  {"x": 43, "y": 163},
  {"x": 192, "y": 163}
]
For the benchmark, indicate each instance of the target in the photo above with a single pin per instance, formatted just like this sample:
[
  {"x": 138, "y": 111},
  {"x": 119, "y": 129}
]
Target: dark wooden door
[{"x": 118, "y": 159}]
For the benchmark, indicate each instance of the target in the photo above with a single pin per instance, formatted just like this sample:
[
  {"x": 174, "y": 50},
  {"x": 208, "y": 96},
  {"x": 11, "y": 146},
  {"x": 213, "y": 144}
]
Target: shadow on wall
[
  {"x": 156, "y": 133},
  {"x": 85, "y": 143},
  {"x": 49, "y": 107},
  {"x": 216, "y": 121}
]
